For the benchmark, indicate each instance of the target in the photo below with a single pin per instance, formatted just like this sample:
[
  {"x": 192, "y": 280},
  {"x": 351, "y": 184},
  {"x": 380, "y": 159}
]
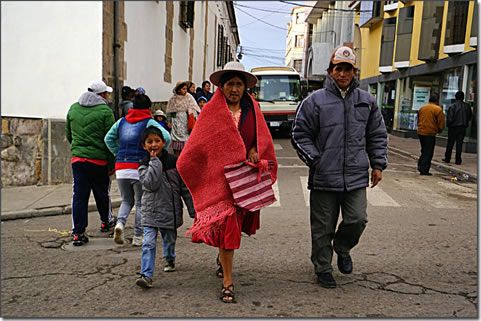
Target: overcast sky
[{"x": 262, "y": 44}]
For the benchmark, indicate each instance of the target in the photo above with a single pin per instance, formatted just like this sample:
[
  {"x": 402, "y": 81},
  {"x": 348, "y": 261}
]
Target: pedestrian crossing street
[{"x": 402, "y": 192}]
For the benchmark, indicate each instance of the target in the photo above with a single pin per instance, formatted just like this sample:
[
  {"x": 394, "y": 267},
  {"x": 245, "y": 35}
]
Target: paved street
[{"x": 417, "y": 258}]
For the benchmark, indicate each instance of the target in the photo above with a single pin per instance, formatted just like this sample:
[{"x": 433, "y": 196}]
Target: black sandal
[
  {"x": 219, "y": 272},
  {"x": 227, "y": 294}
]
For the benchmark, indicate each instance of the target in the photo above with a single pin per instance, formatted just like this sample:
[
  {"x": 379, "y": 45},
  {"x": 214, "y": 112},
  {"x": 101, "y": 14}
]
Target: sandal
[
  {"x": 219, "y": 272},
  {"x": 227, "y": 294}
]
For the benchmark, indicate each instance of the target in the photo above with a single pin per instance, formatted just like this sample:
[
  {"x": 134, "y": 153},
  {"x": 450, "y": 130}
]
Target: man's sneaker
[
  {"x": 326, "y": 280},
  {"x": 169, "y": 266},
  {"x": 119, "y": 233},
  {"x": 144, "y": 282},
  {"x": 80, "y": 239},
  {"x": 344, "y": 263},
  {"x": 137, "y": 241},
  {"x": 105, "y": 227}
]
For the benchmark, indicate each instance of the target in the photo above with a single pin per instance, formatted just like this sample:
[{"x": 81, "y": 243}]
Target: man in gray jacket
[{"x": 338, "y": 132}]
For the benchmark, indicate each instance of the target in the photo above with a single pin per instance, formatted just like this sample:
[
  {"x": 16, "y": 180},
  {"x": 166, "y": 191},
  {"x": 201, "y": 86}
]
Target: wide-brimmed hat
[{"x": 233, "y": 66}]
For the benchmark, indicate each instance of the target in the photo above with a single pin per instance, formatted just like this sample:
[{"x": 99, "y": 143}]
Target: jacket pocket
[{"x": 361, "y": 111}]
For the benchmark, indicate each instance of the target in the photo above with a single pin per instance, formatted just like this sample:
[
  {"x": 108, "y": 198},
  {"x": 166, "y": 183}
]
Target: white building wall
[
  {"x": 50, "y": 51},
  {"x": 145, "y": 47}
]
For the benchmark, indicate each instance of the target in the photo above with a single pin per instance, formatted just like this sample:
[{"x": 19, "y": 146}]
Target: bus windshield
[{"x": 277, "y": 88}]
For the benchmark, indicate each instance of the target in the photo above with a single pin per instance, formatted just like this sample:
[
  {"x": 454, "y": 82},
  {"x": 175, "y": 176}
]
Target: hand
[
  {"x": 153, "y": 153},
  {"x": 376, "y": 177},
  {"x": 253, "y": 157}
]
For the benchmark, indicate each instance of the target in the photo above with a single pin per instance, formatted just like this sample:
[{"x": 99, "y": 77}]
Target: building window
[
  {"x": 452, "y": 82},
  {"x": 456, "y": 22},
  {"x": 299, "y": 17},
  {"x": 300, "y": 41},
  {"x": 431, "y": 30},
  {"x": 387, "y": 42},
  {"x": 404, "y": 34},
  {"x": 474, "y": 24},
  {"x": 298, "y": 65},
  {"x": 186, "y": 15}
]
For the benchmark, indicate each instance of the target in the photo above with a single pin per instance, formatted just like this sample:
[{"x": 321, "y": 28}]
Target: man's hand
[{"x": 376, "y": 177}]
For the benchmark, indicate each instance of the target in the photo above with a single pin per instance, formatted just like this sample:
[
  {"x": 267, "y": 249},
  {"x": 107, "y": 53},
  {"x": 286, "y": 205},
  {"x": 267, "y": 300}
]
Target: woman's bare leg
[{"x": 226, "y": 258}]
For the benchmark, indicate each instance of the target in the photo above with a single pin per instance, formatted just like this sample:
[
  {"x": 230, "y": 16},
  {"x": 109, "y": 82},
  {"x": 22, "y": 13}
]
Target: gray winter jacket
[
  {"x": 338, "y": 138},
  {"x": 162, "y": 191}
]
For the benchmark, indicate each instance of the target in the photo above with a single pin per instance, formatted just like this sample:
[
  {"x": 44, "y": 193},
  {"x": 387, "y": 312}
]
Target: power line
[
  {"x": 261, "y": 9},
  {"x": 334, "y": 9},
  {"x": 261, "y": 20}
]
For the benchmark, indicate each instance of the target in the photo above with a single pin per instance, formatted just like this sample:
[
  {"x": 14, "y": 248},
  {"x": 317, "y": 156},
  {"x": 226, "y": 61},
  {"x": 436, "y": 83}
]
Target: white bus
[{"x": 278, "y": 92}]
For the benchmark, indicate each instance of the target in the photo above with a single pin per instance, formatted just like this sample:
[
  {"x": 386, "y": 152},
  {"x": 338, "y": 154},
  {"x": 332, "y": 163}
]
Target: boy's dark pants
[
  {"x": 324, "y": 215},
  {"x": 89, "y": 177}
]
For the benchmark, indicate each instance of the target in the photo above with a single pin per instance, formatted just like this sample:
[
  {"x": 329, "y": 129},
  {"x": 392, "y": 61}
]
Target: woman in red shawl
[{"x": 231, "y": 129}]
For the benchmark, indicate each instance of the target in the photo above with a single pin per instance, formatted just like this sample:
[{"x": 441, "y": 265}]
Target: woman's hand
[{"x": 253, "y": 157}]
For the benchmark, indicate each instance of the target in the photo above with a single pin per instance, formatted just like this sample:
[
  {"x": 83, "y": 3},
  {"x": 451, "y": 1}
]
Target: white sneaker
[
  {"x": 119, "y": 233},
  {"x": 137, "y": 241}
]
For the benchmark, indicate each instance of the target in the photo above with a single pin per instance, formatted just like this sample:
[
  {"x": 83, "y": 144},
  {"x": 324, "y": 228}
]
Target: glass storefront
[
  {"x": 415, "y": 92},
  {"x": 471, "y": 99}
]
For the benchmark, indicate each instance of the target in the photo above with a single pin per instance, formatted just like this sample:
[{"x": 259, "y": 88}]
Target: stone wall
[
  {"x": 27, "y": 156},
  {"x": 22, "y": 148}
]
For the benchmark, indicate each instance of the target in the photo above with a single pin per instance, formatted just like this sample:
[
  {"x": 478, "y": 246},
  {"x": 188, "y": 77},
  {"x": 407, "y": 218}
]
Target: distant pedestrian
[
  {"x": 201, "y": 101},
  {"x": 140, "y": 91},
  {"x": 191, "y": 89},
  {"x": 123, "y": 140},
  {"x": 457, "y": 120},
  {"x": 88, "y": 120},
  {"x": 339, "y": 132},
  {"x": 127, "y": 100},
  {"x": 179, "y": 106},
  {"x": 430, "y": 123},
  {"x": 230, "y": 130},
  {"x": 161, "y": 118},
  {"x": 205, "y": 91},
  {"x": 161, "y": 204}
]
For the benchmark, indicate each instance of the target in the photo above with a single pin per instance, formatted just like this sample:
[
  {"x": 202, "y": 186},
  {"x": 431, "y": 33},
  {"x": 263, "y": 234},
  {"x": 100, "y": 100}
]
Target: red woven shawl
[{"x": 214, "y": 143}]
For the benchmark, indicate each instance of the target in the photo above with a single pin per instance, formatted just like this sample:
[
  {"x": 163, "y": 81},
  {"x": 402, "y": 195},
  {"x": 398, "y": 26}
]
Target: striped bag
[{"x": 251, "y": 184}]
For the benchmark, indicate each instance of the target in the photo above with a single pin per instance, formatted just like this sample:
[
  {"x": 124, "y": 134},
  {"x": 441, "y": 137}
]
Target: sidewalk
[
  {"x": 45, "y": 200},
  {"x": 33, "y": 201},
  {"x": 411, "y": 147}
]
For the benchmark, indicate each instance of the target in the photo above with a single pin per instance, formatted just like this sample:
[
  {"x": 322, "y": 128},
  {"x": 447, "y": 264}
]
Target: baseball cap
[
  {"x": 343, "y": 54},
  {"x": 98, "y": 87}
]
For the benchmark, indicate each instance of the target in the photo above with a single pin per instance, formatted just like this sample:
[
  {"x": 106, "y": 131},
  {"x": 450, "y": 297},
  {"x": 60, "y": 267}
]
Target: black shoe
[
  {"x": 457, "y": 163},
  {"x": 426, "y": 174},
  {"x": 80, "y": 239},
  {"x": 326, "y": 280},
  {"x": 344, "y": 263},
  {"x": 445, "y": 160},
  {"x": 105, "y": 227}
]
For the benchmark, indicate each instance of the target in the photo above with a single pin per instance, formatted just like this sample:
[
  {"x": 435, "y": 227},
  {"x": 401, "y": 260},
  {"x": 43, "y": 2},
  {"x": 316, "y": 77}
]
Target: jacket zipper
[
  {"x": 173, "y": 201},
  {"x": 345, "y": 144}
]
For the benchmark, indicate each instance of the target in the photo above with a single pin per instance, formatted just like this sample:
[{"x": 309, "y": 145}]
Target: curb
[
  {"x": 440, "y": 166},
  {"x": 49, "y": 211}
]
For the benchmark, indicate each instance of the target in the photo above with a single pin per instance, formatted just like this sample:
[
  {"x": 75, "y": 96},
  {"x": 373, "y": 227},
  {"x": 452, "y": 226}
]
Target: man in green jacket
[{"x": 88, "y": 120}]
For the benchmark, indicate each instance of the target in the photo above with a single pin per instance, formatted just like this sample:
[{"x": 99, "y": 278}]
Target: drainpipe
[{"x": 116, "y": 46}]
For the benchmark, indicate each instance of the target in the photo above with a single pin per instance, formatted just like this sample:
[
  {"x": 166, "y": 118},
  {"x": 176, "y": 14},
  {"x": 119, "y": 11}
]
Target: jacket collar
[{"x": 331, "y": 85}]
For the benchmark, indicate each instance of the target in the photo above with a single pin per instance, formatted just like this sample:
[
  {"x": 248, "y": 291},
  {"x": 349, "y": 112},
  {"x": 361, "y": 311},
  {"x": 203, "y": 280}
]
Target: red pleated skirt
[{"x": 228, "y": 236}]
